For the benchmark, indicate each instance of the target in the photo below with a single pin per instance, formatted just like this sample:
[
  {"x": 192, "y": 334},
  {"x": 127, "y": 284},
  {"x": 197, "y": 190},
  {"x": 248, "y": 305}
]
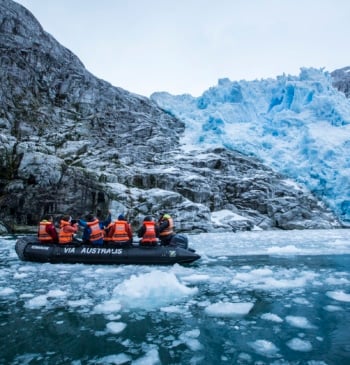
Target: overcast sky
[{"x": 185, "y": 46}]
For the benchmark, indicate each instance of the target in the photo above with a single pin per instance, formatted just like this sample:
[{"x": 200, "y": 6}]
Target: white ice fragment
[
  {"x": 152, "y": 290},
  {"x": 37, "y": 302},
  {"x": 150, "y": 358},
  {"x": 272, "y": 317},
  {"x": 265, "y": 348},
  {"x": 299, "y": 322},
  {"x": 115, "y": 327},
  {"x": 224, "y": 309},
  {"x": 4, "y": 292},
  {"x": 108, "y": 306},
  {"x": 339, "y": 295},
  {"x": 298, "y": 344}
]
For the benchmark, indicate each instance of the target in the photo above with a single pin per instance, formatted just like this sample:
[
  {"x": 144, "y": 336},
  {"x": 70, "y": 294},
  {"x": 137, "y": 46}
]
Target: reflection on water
[{"x": 257, "y": 309}]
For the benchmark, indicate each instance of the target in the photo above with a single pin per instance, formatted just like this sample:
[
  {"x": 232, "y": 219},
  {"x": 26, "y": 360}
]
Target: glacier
[{"x": 297, "y": 125}]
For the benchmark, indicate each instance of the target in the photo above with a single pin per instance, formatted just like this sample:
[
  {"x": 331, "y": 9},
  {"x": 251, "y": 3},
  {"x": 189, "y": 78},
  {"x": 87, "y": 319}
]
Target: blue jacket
[{"x": 87, "y": 230}]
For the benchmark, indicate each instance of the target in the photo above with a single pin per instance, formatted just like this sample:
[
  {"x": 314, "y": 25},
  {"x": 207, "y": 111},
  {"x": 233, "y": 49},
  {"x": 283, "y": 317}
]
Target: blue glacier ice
[{"x": 298, "y": 125}]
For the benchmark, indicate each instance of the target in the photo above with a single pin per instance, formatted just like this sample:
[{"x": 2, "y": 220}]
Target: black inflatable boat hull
[{"x": 29, "y": 249}]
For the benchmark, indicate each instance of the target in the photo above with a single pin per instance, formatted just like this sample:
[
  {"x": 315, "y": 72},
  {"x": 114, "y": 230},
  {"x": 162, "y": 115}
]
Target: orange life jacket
[
  {"x": 149, "y": 237},
  {"x": 64, "y": 237},
  {"x": 169, "y": 229},
  {"x": 43, "y": 236},
  {"x": 119, "y": 232},
  {"x": 96, "y": 232}
]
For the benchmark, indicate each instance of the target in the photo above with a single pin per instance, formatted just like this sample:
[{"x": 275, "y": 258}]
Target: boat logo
[
  {"x": 172, "y": 253},
  {"x": 45, "y": 248}
]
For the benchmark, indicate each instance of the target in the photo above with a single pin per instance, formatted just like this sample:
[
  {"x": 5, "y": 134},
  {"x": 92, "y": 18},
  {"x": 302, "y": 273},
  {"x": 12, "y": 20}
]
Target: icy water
[{"x": 253, "y": 298}]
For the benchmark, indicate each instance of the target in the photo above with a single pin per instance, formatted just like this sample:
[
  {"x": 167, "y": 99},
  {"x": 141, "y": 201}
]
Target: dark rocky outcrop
[
  {"x": 341, "y": 80},
  {"x": 70, "y": 142}
]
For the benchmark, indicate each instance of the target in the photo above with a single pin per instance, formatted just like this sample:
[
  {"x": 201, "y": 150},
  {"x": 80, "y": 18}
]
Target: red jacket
[{"x": 47, "y": 232}]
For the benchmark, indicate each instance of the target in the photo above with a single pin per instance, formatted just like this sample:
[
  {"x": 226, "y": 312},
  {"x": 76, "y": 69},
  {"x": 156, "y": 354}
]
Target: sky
[{"x": 185, "y": 46}]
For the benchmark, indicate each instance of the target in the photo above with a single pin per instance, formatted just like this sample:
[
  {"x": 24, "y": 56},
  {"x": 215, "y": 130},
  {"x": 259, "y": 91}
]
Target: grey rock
[{"x": 341, "y": 80}]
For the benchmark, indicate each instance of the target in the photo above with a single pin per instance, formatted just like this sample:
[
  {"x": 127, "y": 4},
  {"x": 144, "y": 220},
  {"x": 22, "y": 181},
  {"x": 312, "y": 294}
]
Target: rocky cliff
[
  {"x": 70, "y": 142},
  {"x": 341, "y": 80}
]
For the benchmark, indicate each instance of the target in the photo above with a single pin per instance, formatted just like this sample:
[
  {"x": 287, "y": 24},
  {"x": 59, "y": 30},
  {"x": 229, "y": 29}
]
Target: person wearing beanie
[
  {"x": 119, "y": 232},
  {"x": 94, "y": 228},
  {"x": 148, "y": 232}
]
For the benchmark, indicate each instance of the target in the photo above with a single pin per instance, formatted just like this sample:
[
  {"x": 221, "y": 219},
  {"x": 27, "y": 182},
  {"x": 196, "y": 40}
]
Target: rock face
[
  {"x": 341, "y": 80},
  {"x": 70, "y": 142}
]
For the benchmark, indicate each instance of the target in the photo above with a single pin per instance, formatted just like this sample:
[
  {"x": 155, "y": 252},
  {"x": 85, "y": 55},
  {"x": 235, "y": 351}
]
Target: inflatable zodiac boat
[{"x": 28, "y": 248}]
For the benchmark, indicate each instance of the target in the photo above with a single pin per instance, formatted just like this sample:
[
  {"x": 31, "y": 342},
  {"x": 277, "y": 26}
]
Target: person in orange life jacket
[
  {"x": 148, "y": 232},
  {"x": 94, "y": 229},
  {"x": 67, "y": 230},
  {"x": 119, "y": 231},
  {"x": 47, "y": 232},
  {"x": 166, "y": 229}
]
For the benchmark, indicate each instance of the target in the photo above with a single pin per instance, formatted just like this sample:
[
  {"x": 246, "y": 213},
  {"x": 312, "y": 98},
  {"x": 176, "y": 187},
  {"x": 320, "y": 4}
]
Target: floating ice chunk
[
  {"x": 265, "y": 348},
  {"x": 339, "y": 295},
  {"x": 115, "y": 327},
  {"x": 37, "y": 302},
  {"x": 245, "y": 358},
  {"x": 332, "y": 308},
  {"x": 113, "y": 359},
  {"x": 151, "y": 290},
  {"x": 299, "y": 322},
  {"x": 196, "y": 278},
  {"x": 19, "y": 275},
  {"x": 172, "y": 309},
  {"x": 79, "y": 303},
  {"x": 337, "y": 281},
  {"x": 189, "y": 338},
  {"x": 298, "y": 344},
  {"x": 283, "y": 250},
  {"x": 56, "y": 294},
  {"x": 26, "y": 295},
  {"x": 108, "y": 306},
  {"x": 254, "y": 275},
  {"x": 223, "y": 309},
  {"x": 4, "y": 292},
  {"x": 301, "y": 301},
  {"x": 272, "y": 317},
  {"x": 151, "y": 358}
]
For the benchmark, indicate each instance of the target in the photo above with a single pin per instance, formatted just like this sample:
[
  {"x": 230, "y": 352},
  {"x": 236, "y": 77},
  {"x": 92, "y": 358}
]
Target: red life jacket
[
  {"x": 43, "y": 236},
  {"x": 168, "y": 230},
  {"x": 119, "y": 232},
  {"x": 149, "y": 237},
  {"x": 96, "y": 231},
  {"x": 64, "y": 237}
]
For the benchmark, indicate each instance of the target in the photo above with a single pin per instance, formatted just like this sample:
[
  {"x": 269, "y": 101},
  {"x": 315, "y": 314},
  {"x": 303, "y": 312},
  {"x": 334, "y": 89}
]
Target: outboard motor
[{"x": 179, "y": 240}]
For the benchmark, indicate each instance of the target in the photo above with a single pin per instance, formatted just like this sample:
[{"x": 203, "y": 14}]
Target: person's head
[
  {"x": 148, "y": 218},
  {"x": 121, "y": 217},
  {"x": 48, "y": 217},
  {"x": 166, "y": 216},
  {"x": 66, "y": 218},
  {"x": 90, "y": 217}
]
